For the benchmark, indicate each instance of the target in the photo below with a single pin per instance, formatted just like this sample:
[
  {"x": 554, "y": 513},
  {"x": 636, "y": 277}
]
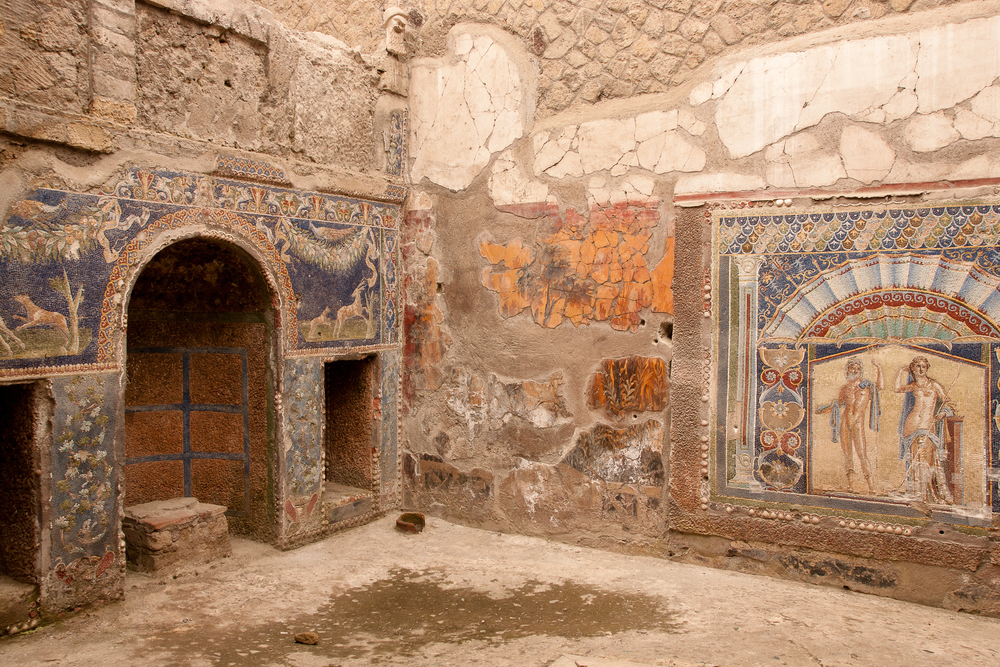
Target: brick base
[{"x": 167, "y": 532}]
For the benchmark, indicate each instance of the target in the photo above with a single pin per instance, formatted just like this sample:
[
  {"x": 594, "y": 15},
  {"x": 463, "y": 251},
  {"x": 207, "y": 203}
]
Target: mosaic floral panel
[
  {"x": 858, "y": 359},
  {"x": 390, "y": 272},
  {"x": 389, "y": 464},
  {"x": 67, "y": 258},
  {"x": 85, "y": 483},
  {"x": 397, "y": 143},
  {"x": 583, "y": 270},
  {"x": 303, "y": 413}
]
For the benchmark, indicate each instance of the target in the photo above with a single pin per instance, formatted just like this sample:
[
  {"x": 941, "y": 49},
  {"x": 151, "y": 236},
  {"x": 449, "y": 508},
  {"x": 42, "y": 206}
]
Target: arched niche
[{"x": 199, "y": 399}]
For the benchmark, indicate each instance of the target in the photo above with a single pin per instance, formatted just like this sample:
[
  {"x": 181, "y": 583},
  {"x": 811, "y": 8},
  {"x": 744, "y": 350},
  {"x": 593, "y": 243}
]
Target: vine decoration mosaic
[
  {"x": 858, "y": 357},
  {"x": 68, "y": 259}
]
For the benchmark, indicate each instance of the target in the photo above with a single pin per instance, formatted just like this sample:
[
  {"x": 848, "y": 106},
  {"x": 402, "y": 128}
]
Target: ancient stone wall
[
  {"x": 592, "y": 50},
  {"x": 653, "y": 323}
]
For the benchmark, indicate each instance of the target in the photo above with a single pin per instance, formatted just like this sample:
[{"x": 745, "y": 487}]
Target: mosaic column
[{"x": 746, "y": 379}]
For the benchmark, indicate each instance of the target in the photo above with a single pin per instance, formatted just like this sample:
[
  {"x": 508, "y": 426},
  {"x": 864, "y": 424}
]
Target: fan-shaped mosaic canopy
[{"x": 917, "y": 298}]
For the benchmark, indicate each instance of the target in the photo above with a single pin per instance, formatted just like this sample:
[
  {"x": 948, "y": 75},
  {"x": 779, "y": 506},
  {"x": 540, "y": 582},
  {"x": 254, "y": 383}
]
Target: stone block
[
  {"x": 106, "y": 18},
  {"x": 123, "y": 6},
  {"x": 164, "y": 533},
  {"x": 113, "y": 110},
  {"x": 114, "y": 88}
]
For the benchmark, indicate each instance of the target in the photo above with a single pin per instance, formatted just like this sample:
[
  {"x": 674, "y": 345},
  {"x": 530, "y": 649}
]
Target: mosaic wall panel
[
  {"x": 859, "y": 359},
  {"x": 389, "y": 464},
  {"x": 396, "y": 156},
  {"x": 66, "y": 257},
  {"x": 390, "y": 273},
  {"x": 303, "y": 403},
  {"x": 84, "y": 473}
]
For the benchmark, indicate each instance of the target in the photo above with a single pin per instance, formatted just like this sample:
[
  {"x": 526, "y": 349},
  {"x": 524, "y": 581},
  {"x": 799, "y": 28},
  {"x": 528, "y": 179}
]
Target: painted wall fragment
[
  {"x": 580, "y": 270},
  {"x": 629, "y": 384},
  {"x": 631, "y": 455},
  {"x": 490, "y": 403},
  {"x": 427, "y": 338}
]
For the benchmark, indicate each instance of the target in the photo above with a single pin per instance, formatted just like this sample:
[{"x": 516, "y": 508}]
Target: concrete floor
[{"x": 458, "y": 596}]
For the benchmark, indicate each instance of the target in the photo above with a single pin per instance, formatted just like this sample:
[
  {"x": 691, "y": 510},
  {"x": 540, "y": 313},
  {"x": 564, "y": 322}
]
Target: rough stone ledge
[
  {"x": 969, "y": 555},
  {"x": 78, "y": 131},
  {"x": 174, "y": 513},
  {"x": 243, "y": 18}
]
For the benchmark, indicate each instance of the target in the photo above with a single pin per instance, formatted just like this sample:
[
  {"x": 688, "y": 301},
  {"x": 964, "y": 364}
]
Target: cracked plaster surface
[
  {"x": 466, "y": 109},
  {"x": 509, "y": 185},
  {"x": 650, "y": 141},
  {"x": 879, "y": 79},
  {"x": 767, "y": 102}
]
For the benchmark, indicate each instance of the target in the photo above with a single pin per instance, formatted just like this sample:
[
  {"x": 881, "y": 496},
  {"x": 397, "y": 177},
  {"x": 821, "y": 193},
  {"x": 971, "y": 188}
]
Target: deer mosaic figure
[
  {"x": 39, "y": 317},
  {"x": 317, "y": 322},
  {"x": 354, "y": 309}
]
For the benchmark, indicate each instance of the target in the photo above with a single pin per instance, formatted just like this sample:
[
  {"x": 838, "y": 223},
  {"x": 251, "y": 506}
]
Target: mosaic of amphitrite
[
  {"x": 64, "y": 257},
  {"x": 859, "y": 359}
]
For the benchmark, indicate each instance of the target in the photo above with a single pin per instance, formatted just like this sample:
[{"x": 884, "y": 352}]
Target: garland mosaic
[
  {"x": 69, "y": 260},
  {"x": 858, "y": 359}
]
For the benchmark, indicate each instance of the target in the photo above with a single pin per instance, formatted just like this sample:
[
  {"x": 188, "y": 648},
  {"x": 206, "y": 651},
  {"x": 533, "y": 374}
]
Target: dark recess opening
[
  {"x": 19, "y": 493},
  {"x": 349, "y": 423}
]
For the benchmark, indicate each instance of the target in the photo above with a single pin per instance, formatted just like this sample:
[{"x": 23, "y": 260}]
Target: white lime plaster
[
  {"x": 467, "y": 106},
  {"x": 510, "y": 185}
]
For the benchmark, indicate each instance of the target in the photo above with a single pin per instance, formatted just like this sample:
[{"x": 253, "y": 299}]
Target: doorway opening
[
  {"x": 199, "y": 403},
  {"x": 350, "y": 438},
  {"x": 20, "y": 495}
]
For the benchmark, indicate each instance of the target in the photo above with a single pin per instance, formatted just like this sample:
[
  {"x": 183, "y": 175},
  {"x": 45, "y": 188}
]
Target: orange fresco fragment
[
  {"x": 582, "y": 271},
  {"x": 517, "y": 256},
  {"x": 663, "y": 279},
  {"x": 493, "y": 252}
]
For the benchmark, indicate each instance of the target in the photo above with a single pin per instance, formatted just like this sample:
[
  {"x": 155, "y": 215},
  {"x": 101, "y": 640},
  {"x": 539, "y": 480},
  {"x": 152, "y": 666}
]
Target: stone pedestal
[{"x": 168, "y": 532}]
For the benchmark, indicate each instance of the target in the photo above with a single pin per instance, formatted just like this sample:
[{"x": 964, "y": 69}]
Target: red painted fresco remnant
[
  {"x": 426, "y": 339},
  {"x": 629, "y": 384},
  {"x": 583, "y": 270}
]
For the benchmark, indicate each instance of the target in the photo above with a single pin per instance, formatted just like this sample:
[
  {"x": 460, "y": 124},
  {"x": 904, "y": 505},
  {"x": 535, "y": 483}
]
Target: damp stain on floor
[{"x": 409, "y": 610}]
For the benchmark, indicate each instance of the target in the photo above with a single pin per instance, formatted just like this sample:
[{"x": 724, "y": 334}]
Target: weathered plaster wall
[{"x": 710, "y": 229}]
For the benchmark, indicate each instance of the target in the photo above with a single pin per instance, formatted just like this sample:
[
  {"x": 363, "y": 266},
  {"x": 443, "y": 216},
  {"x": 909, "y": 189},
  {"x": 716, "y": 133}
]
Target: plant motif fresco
[
  {"x": 66, "y": 258},
  {"x": 866, "y": 372},
  {"x": 583, "y": 270},
  {"x": 629, "y": 384}
]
